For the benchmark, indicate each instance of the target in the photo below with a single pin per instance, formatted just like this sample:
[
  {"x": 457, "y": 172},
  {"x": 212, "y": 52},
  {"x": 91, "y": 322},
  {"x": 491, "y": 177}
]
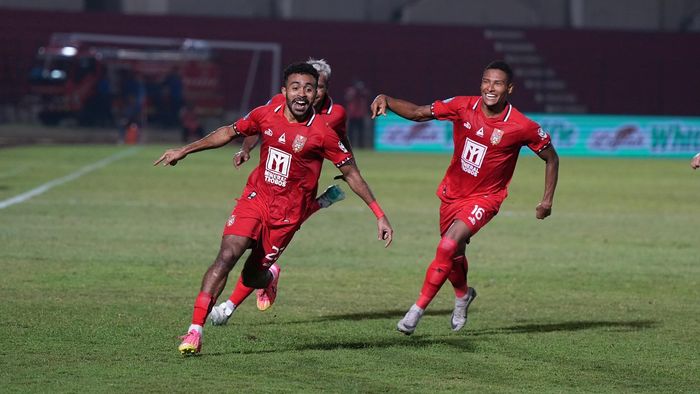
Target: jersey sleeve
[
  {"x": 334, "y": 150},
  {"x": 250, "y": 124},
  {"x": 537, "y": 138},
  {"x": 448, "y": 109}
]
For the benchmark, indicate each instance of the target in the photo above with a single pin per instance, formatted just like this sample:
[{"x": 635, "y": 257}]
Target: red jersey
[
  {"x": 333, "y": 114},
  {"x": 291, "y": 157},
  {"x": 485, "y": 149}
]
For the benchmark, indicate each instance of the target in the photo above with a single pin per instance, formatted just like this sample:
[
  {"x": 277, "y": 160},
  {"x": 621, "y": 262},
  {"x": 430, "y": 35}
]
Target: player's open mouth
[
  {"x": 490, "y": 97},
  {"x": 300, "y": 104}
]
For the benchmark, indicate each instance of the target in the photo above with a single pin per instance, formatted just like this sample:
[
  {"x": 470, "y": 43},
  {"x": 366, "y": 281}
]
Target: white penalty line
[{"x": 56, "y": 182}]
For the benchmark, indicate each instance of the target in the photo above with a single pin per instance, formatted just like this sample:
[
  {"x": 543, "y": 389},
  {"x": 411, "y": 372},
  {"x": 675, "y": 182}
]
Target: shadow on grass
[{"x": 462, "y": 342}]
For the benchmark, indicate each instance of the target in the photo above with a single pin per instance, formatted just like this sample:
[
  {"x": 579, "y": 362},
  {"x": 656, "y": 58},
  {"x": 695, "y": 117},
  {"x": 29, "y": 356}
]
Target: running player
[
  {"x": 329, "y": 112},
  {"x": 278, "y": 191},
  {"x": 488, "y": 133}
]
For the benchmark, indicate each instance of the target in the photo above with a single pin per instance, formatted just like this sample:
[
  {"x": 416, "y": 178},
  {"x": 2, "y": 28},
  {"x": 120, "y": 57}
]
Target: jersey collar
[{"x": 508, "y": 110}]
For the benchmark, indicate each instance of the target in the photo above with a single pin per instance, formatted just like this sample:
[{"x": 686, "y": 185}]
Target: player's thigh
[{"x": 474, "y": 212}]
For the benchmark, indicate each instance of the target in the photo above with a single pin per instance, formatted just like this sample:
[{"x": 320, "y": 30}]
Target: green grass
[{"x": 99, "y": 276}]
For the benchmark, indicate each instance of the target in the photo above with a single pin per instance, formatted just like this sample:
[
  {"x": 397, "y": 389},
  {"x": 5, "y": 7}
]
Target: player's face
[
  {"x": 321, "y": 91},
  {"x": 300, "y": 92},
  {"x": 495, "y": 87}
]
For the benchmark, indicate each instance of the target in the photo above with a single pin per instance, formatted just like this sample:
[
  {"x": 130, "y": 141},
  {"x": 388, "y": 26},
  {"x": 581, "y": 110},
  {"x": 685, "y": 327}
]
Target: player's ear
[
  {"x": 510, "y": 88},
  {"x": 284, "y": 91}
]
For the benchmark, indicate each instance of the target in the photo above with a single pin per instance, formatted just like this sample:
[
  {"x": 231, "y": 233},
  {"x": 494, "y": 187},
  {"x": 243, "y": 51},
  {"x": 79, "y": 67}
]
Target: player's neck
[
  {"x": 291, "y": 118},
  {"x": 493, "y": 110}
]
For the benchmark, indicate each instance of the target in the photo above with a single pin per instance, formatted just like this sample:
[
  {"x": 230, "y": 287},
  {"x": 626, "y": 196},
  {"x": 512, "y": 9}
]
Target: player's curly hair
[
  {"x": 503, "y": 66},
  {"x": 300, "y": 68},
  {"x": 322, "y": 66}
]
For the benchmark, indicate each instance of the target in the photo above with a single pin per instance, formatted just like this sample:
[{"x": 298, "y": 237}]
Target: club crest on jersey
[
  {"x": 282, "y": 139},
  {"x": 480, "y": 132},
  {"x": 542, "y": 133},
  {"x": 268, "y": 132},
  {"x": 496, "y": 136},
  {"x": 298, "y": 143}
]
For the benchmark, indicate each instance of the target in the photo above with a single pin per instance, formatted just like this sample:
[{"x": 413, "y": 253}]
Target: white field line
[{"x": 59, "y": 181}]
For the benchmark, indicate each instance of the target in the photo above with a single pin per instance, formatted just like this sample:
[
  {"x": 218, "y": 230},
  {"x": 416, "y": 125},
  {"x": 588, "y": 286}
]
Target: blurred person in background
[
  {"x": 356, "y": 102},
  {"x": 488, "y": 133},
  {"x": 695, "y": 161},
  {"x": 192, "y": 128}
]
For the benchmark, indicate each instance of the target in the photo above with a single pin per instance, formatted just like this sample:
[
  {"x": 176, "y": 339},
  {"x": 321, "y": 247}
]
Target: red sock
[
  {"x": 437, "y": 272},
  {"x": 240, "y": 292},
  {"x": 202, "y": 307},
  {"x": 458, "y": 275}
]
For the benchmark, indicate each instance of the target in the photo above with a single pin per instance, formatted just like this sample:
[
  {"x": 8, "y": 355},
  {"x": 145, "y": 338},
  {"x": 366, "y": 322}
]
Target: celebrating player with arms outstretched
[
  {"x": 275, "y": 199},
  {"x": 334, "y": 116},
  {"x": 488, "y": 133}
]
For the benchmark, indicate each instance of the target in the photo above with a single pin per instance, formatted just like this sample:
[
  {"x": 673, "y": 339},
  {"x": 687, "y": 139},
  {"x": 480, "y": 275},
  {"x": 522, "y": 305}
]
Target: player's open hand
[
  {"x": 170, "y": 157},
  {"x": 378, "y": 106},
  {"x": 240, "y": 158},
  {"x": 384, "y": 231},
  {"x": 543, "y": 210},
  {"x": 695, "y": 163}
]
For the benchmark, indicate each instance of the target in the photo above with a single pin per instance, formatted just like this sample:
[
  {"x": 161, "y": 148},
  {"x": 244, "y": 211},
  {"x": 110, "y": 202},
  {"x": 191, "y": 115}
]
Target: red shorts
[
  {"x": 475, "y": 212},
  {"x": 250, "y": 219}
]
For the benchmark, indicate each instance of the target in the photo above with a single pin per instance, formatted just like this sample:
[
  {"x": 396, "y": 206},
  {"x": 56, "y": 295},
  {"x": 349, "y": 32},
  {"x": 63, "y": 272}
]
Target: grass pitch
[{"x": 99, "y": 275}]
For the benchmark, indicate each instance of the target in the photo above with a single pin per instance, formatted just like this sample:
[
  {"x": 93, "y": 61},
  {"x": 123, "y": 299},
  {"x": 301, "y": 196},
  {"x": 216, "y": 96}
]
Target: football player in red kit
[
  {"x": 277, "y": 193},
  {"x": 329, "y": 112},
  {"x": 488, "y": 133}
]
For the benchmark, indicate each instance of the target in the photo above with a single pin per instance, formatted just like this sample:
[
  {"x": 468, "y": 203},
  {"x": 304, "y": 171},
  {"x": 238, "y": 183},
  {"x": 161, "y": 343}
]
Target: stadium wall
[{"x": 601, "y": 71}]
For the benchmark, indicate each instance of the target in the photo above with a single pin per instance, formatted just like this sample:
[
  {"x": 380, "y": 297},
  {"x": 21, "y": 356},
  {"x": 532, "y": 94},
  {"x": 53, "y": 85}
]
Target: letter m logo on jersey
[
  {"x": 473, "y": 153},
  {"x": 278, "y": 161}
]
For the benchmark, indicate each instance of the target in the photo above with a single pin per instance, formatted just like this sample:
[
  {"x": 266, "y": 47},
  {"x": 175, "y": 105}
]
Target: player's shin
[
  {"x": 240, "y": 292},
  {"x": 438, "y": 271},
  {"x": 202, "y": 307},
  {"x": 458, "y": 275}
]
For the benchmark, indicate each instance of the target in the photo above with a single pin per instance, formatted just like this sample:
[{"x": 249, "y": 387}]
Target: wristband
[{"x": 376, "y": 209}]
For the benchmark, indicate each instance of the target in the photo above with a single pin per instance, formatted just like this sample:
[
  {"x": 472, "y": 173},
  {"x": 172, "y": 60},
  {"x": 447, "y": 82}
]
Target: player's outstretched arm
[
  {"x": 695, "y": 162},
  {"x": 215, "y": 139},
  {"x": 361, "y": 188},
  {"x": 403, "y": 108},
  {"x": 243, "y": 155},
  {"x": 551, "y": 175}
]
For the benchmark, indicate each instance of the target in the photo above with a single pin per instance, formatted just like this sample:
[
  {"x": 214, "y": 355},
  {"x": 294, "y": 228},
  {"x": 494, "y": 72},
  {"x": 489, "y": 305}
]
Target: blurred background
[{"x": 614, "y": 76}]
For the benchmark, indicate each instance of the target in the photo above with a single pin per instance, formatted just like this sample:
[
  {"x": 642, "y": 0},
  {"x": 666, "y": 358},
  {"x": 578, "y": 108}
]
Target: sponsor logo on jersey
[
  {"x": 472, "y": 157},
  {"x": 480, "y": 132},
  {"x": 298, "y": 143},
  {"x": 468, "y": 125},
  {"x": 277, "y": 167},
  {"x": 252, "y": 195},
  {"x": 230, "y": 221},
  {"x": 268, "y": 132},
  {"x": 496, "y": 136},
  {"x": 342, "y": 147},
  {"x": 282, "y": 139}
]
